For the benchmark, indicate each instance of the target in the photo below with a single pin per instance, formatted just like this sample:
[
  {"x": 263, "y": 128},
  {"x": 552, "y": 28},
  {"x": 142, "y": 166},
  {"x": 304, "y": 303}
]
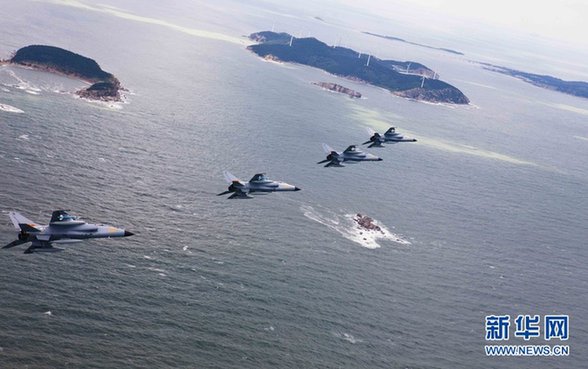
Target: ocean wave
[
  {"x": 111, "y": 105},
  {"x": 350, "y": 229},
  {"x": 23, "y": 85},
  {"x": 46, "y": 84},
  {"x": 158, "y": 270},
  {"x": 10, "y": 108},
  {"x": 347, "y": 337}
]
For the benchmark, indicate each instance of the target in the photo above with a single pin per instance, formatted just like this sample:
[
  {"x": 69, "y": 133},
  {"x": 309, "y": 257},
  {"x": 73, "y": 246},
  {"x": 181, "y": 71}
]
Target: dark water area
[{"x": 485, "y": 214}]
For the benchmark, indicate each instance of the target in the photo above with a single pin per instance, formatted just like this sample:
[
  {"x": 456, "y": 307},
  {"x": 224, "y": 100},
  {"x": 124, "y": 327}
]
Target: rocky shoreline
[
  {"x": 432, "y": 96},
  {"x": 103, "y": 91},
  {"x": 105, "y": 86},
  {"x": 421, "y": 83},
  {"x": 574, "y": 88}
]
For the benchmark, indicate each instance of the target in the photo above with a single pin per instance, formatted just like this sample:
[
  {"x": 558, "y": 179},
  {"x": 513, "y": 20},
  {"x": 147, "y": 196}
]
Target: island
[
  {"x": 392, "y": 38},
  {"x": 366, "y": 223},
  {"x": 338, "y": 88},
  {"x": 575, "y": 88},
  {"x": 105, "y": 86},
  {"x": 344, "y": 62}
]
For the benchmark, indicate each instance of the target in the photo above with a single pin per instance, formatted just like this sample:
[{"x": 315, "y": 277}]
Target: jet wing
[
  {"x": 240, "y": 194},
  {"x": 41, "y": 246},
  {"x": 44, "y": 237},
  {"x": 66, "y": 240}
]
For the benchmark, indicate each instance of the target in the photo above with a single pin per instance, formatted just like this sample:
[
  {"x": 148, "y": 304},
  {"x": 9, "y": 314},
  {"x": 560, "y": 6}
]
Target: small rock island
[
  {"x": 338, "y": 88},
  {"x": 105, "y": 86},
  {"x": 366, "y": 223},
  {"x": 344, "y": 62}
]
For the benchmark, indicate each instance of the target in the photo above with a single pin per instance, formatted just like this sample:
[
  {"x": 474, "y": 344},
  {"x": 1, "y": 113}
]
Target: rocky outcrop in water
[
  {"x": 338, "y": 88},
  {"x": 105, "y": 91},
  {"x": 366, "y": 223}
]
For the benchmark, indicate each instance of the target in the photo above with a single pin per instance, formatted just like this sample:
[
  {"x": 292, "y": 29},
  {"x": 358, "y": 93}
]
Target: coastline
[
  {"x": 346, "y": 63},
  {"x": 103, "y": 86}
]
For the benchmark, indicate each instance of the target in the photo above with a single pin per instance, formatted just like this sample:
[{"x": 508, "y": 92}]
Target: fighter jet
[
  {"x": 352, "y": 155},
  {"x": 63, "y": 228},
  {"x": 390, "y": 136},
  {"x": 258, "y": 184}
]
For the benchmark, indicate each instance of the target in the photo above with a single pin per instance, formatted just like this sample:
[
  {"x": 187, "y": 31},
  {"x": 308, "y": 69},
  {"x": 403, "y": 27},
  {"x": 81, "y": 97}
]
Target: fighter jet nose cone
[
  {"x": 297, "y": 188},
  {"x": 380, "y": 159},
  {"x": 127, "y": 234}
]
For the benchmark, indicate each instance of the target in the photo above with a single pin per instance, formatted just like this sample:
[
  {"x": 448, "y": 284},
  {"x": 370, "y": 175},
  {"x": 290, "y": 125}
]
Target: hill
[
  {"x": 58, "y": 60},
  {"x": 351, "y": 64}
]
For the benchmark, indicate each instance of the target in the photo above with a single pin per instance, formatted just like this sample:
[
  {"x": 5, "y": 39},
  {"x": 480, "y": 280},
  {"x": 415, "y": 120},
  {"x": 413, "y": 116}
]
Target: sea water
[{"x": 485, "y": 214}]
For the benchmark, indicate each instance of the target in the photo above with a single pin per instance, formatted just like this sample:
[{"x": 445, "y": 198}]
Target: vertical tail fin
[
  {"x": 327, "y": 149},
  {"x": 22, "y": 223}
]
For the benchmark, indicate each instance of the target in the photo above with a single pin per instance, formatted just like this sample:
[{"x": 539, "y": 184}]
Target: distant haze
[
  {"x": 557, "y": 20},
  {"x": 539, "y": 37}
]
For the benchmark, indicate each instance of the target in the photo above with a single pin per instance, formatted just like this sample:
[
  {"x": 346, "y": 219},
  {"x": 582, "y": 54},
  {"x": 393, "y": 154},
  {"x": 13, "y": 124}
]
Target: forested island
[
  {"x": 420, "y": 84},
  {"x": 105, "y": 86},
  {"x": 576, "y": 88}
]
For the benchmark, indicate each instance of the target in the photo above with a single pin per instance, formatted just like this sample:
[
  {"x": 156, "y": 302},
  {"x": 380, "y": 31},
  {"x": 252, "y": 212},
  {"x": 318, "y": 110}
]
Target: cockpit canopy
[
  {"x": 259, "y": 177},
  {"x": 352, "y": 149},
  {"x": 62, "y": 216}
]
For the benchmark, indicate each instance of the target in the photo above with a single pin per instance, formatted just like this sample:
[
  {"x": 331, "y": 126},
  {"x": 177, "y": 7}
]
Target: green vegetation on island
[
  {"x": 54, "y": 59},
  {"x": 575, "y": 88},
  {"x": 420, "y": 83}
]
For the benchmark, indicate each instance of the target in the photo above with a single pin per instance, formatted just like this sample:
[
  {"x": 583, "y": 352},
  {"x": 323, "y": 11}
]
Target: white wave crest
[
  {"x": 10, "y": 108},
  {"x": 347, "y": 337}
]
